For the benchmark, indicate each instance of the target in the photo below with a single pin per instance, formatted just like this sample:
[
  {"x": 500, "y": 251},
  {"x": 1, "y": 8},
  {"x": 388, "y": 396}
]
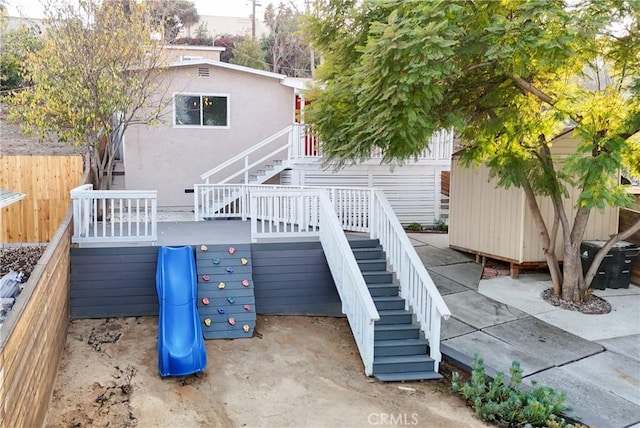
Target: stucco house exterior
[{"x": 218, "y": 111}]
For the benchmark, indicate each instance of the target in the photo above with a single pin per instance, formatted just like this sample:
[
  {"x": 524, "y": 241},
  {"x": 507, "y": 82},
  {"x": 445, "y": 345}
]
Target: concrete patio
[{"x": 595, "y": 359}]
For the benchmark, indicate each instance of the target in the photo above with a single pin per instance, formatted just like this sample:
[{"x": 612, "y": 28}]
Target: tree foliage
[
  {"x": 510, "y": 76},
  {"x": 15, "y": 46},
  {"x": 287, "y": 51},
  {"x": 249, "y": 54},
  {"x": 98, "y": 72}
]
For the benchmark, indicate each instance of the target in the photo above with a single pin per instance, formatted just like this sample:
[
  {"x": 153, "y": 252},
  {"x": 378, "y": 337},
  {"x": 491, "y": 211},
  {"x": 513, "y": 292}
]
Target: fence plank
[{"x": 46, "y": 180}]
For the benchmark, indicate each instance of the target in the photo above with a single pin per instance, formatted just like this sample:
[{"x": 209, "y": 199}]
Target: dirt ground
[
  {"x": 14, "y": 143},
  {"x": 294, "y": 372}
]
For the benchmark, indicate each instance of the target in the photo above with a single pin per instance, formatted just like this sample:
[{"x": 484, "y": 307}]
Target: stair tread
[
  {"x": 400, "y": 342},
  {"x": 387, "y": 299},
  {"x": 402, "y": 359},
  {"x": 406, "y": 326},
  {"x": 393, "y": 312},
  {"x": 399, "y": 377}
]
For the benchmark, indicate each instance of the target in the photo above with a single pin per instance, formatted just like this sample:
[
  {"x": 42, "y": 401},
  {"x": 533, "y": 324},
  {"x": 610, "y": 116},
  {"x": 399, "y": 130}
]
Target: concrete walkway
[{"x": 595, "y": 359}]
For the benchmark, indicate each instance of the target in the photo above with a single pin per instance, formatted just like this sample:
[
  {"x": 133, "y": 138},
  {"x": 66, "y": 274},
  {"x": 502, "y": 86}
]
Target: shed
[{"x": 496, "y": 223}]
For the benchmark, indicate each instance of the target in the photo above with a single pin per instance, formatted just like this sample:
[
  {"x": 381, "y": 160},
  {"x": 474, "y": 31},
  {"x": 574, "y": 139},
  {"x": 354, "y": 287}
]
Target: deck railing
[
  {"x": 351, "y": 204},
  {"x": 278, "y": 213},
  {"x": 416, "y": 286},
  {"x": 101, "y": 216}
]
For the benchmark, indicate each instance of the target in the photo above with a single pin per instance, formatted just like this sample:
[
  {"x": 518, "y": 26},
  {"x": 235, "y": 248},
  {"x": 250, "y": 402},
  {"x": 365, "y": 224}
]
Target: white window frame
[{"x": 200, "y": 94}]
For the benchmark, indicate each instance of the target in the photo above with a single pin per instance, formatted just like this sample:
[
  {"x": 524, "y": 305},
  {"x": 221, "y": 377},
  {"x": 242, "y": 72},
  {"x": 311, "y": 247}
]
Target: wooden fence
[
  {"x": 627, "y": 218},
  {"x": 33, "y": 336},
  {"x": 46, "y": 180}
]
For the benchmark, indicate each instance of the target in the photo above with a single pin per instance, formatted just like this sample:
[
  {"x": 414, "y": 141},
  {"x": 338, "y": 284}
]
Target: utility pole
[
  {"x": 254, "y": 3},
  {"x": 311, "y": 52}
]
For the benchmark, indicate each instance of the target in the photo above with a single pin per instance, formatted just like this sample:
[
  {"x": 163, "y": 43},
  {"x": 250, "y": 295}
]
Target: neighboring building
[
  {"x": 221, "y": 25},
  {"x": 221, "y": 110}
]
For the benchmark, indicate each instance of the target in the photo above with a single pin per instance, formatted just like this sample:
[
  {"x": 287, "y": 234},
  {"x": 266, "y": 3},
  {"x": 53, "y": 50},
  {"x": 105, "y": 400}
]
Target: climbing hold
[
  {"x": 221, "y": 310},
  {"x": 247, "y": 307},
  {"x": 215, "y": 261},
  {"x": 221, "y": 285},
  {"x": 246, "y": 328},
  {"x": 207, "y": 322},
  {"x": 232, "y": 250},
  {"x": 231, "y": 300},
  {"x": 230, "y": 269},
  {"x": 232, "y": 321},
  {"x": 245, "y": 282},
  {"x": 205, "y": 300},
  {"x": 205, "y": 277},
  {"x": 243, "y": 261},
  {"x": 203, "y": 248}
]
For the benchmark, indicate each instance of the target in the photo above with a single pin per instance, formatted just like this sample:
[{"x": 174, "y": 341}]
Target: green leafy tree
[
  {"x": 249, "y": 53},
  {"x": 15, "y": 46},
  {"x": 98, "y": 72},
  {"x": 510, "y": 76}
]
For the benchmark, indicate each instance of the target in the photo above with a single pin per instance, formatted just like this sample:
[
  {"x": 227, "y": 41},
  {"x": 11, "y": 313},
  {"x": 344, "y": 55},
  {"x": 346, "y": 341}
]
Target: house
[
  {"x": 230, "y": 124},
  {"x": 496, "y": 223}
]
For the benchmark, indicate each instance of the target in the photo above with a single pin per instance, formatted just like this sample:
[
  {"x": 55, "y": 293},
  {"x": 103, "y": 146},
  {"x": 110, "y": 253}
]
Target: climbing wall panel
[{"x": 226, "y": 301}]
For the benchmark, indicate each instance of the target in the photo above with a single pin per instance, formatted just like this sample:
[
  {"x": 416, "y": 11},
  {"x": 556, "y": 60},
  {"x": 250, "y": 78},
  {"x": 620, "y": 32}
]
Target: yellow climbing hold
[
  {"x": 245, "y": 328},
  {"x": 203, "y": 248},
  {"x": 207, "y": 322},
  {"x": 221, "y": 285},
  {"x": 243, "y": 261}
]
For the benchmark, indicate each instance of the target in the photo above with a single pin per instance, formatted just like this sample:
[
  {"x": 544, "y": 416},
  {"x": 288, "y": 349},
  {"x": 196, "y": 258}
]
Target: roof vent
[{"x": 203, "y": 72}]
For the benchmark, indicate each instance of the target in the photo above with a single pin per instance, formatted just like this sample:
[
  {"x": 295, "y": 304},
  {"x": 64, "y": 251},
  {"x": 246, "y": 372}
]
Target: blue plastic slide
[{"x": 181, "y": 349}]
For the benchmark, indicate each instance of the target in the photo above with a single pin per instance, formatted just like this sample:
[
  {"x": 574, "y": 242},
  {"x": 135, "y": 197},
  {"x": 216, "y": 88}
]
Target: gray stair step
[
  {"x": 372, "y": 265},
  {"x": 388, "y": 348},
  {"x": 403, "y": 364},
  {"x": 395, "y": 316},
  {"x": 377, "y": 290},
  {"x": 364, "y": 243},
  {"x": 407, "y": 376},
  {"x": 368, "y": 253},
  {"x": 377, "y": 277},
  {"x": 396, "y": 331},
  {"x": 385, "y": 303}
]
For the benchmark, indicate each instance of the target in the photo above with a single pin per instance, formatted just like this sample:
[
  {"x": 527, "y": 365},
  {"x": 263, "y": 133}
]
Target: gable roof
[{"x": 240, "y": 68}]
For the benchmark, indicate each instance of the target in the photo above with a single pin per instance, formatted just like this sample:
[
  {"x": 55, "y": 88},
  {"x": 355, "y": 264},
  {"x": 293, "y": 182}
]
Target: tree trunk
[
  {"x": 548, "y": 247},
  {"x": 572, "y": 273}
]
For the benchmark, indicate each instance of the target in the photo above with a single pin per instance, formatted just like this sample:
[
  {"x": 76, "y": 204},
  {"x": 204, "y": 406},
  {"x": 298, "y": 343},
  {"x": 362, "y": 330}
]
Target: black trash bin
[{"x": 615, "y": 269}]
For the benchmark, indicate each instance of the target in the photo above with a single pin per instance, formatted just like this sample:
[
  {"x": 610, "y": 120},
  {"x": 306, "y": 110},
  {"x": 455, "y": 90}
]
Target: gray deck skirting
[{"x": 291, "y": 278}]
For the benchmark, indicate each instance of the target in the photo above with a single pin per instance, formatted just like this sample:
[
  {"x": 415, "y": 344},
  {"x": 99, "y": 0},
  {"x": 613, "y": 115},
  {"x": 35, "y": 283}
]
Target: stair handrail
[
  {"x": 412, "y": 275},
  {"x": 245, "y": 154},
  {"x": 357, "y": 303}
]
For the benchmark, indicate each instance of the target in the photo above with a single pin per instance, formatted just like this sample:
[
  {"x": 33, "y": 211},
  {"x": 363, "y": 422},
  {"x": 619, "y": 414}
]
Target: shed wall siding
[
  {"x": 289, "y": 279},
  {"x": 496, "y": 222},
  {"x": 483, "y": 219}
]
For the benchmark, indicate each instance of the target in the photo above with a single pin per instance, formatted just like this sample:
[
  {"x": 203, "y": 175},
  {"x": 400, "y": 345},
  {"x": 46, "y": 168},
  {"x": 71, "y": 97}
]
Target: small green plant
[
  {"x": 500, "y": 402},
  {"x": 414, "y": 227},
  {"x": 441, "y": 224}
]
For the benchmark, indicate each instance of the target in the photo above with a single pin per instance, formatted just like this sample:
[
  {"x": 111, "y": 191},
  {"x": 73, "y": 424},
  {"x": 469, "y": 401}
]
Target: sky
[{"x": 241, "y": 8}]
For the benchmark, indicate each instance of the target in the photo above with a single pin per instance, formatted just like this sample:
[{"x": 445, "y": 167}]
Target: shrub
[
  {"x": 500, "y": 402},
  {"x": 414, "y": 227}
]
